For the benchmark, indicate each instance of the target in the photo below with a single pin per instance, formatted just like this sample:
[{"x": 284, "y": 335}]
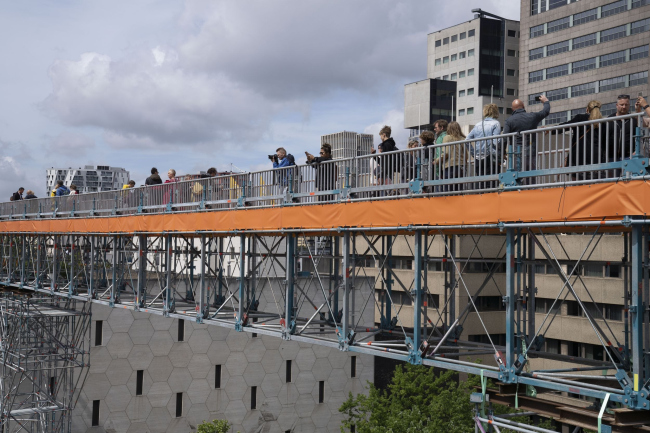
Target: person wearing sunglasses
[
  {"x": 325, "y": 173},
  {"x": 620, "y": 147}
]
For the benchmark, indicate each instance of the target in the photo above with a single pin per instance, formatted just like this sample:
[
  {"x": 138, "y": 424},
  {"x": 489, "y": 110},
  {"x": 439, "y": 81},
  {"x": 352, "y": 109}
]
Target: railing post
[
  {"x": 202, "y": 307},
  {"x": 415, "y": 356},
  {"x": 169, "y": 300},
  {"x": 415, "y": 185},
  {"x": 25, "y": 211},
  {"x": 171, "y": 199},
  {"x": 638, "y": 164},
  {"x": 141, "y": 299},
  {"x": 241, "y": 319},
  {"x": 511, "y": 177},
  {"x": 241, "y": 201},
  {"x": 140, "y": 200},
  {"x": 91, "y": 283},
  {"x": 71, "y": 287},
  {"x": 509, "y": 301}
]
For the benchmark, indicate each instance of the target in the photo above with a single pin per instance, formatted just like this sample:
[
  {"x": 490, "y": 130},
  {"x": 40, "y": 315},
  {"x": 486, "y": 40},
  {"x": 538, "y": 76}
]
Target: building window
[
  {"x": 461, "y": 55},
  {"x": 508, "y": 110},
  {"x": 640, "y": 26},
  {"x": 179, "y": 404},
  {"x": 639, "y": 3},
  {"x": 510, "y": 92},
  {"x": 470, "y": 91},
  {"x": 445, "y": 77},
  {"x": 638, "y": 53},
  {"x": 583, "y": 65},
  {"x": 217, "y": 376},
  {"x": 639, "y": 78},
  {"x": 181, "y": 330},
  {"x": 288, "y": 371},
  {"x": 438, "y": 62},
  {"x": 558, "y": 94},
  {"x": 511, "y": 53},
  {"x": 445, "y": 59},
  {"x": 512, "y": 33},
  {"x": 461, "y": 74},
  {"x": 612, "y": 58},
  {"x": 560, "y": 47},
  {"x": 470, "y": 72},
  {"x": 454, "y": 76},
  {"x": 454, "y": 57},
  {"x": 583, "y": 89},
  {"x": 613, "y": 8},
  {"x": 537, "y": 31},
  {"x": 557, "y": 25},
  {"x": 470, "y": 53},
  {"x": 353, "y": 366},
  {"x": 461, "y": 112},
  {"x": 613, "y": 33},
  {"x": 511, "y": 72},
  {"x": 445, "y": 41},
  {"x": 585, "y": 17},
  {"x": 470, "y": 110},
  {"x": 99, "y": 332},
  {"x": 253, "y": 397},
  {"x": 461, "y": 93},
  {"x": 557, "y": 71},
  {"x": 438, "y": 43},
  {"x": 585, "y": 41},
  {"x": 454, "y": 38},
  {"x": 95, "y": 415},
  {"x": 463, "y": 35},
  {"x": 612, "y": 83},
  {"x": 536, "y": 76},
  {"x": 139, "y": 379},
  {"x": 613, "y": 271},
  {"x": 321, "y": 391},
  {"x": 471, "y": 33},
  {"x": 593, "y": 270},
  {"x": 500, "y": 110},
  {"x": 535, "y": 54},
  {"x": 554, "y": 118}
]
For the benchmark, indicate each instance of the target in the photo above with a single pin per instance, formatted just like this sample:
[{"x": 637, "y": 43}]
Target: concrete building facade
[
  {"x": 481, "y": 57},
  {"x": 577, "y": 51},
  {"x": 92, "y": 178}
]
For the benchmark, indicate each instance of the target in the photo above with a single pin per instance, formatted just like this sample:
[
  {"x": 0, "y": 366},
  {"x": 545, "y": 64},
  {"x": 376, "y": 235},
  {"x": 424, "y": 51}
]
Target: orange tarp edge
[{"x": 577, "y": 203}]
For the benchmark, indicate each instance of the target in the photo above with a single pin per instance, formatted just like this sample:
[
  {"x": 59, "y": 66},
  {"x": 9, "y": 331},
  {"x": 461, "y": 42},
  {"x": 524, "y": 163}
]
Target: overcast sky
[{"x": 199, "y": 83}]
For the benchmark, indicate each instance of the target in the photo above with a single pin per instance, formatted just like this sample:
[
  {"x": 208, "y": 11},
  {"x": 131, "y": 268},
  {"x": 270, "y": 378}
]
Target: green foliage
[
  {"x": 216, "y": 426},
  {"x": 417, "y": 401}
]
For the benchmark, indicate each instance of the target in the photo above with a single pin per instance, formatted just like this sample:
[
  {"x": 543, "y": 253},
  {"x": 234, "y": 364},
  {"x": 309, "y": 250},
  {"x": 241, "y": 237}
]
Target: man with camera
[{"x": 282, "y": 160}]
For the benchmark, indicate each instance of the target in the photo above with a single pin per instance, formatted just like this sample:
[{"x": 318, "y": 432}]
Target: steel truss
[
  {"x": 339, "y": 289},
  {"x": 44, "y": 359}
]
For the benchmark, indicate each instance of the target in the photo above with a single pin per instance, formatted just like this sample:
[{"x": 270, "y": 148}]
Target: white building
[{"x": 92, "y": 178}]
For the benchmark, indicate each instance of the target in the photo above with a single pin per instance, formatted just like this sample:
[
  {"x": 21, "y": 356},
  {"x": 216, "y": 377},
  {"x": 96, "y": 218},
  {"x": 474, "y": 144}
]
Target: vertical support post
[
  {"x": 169, "y": 301},
  {"x": 425, "y": 284},
  {"x": 115, "y": 260},
  {"x": 39, "y": 258},
  {"x": 532, "y": 290},
  {"x": 626, "y": 296},
  {"x": 637, "y": 307},
  {"x": 201, "y": 307},
  {"x": 252, "y": 262},
  {"x": 142, "y": 272},
  {"x": 336, "y": 240},
  {"x": 346, "y": 287},
  {"x": 10, "y": 270},
  {"x": 417, "y": 292},
  {"x": 55, "y": 264},
  {"x": 242, "y": 282},
  {"x": 22, "y": 261},
  {"x": 452, "y": 282},
  {"x": 386, "y": 244},
  {"x": 646, "y": 302},
  {"x": 71, "y": 286},
  {"x": 289, "y": 324},
  {"x": 220, "y": 280},
  {"x": 91, "y": 282},
  {"x": 510, "y": 298}
]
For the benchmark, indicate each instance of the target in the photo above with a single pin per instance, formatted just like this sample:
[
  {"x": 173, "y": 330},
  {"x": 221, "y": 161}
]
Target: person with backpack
[
  {"x": 486, "y": 152},
  {"x": 18, "y": 195},
  {"x": 282, "y": 159},
  {"x": 61, "y": 189}
]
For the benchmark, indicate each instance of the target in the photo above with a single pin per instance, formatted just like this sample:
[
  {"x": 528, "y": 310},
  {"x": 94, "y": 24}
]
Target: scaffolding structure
[{"x": 44, "y": 359}]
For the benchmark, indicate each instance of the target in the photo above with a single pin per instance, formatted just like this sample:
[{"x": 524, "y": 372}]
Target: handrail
[{"x": 563, "y": 154}]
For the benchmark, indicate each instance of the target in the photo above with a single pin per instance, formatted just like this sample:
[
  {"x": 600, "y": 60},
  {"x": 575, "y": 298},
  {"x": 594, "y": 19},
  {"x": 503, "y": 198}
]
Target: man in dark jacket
[
  {"x": 154, "y": 179},
  {"x": 18, "y": 195},
  {"x": 325, "y": 173},
  {"x": 620, "y": 145},
  {"x": 386, "y": 165},
  {"x": 521, "y": 121}
]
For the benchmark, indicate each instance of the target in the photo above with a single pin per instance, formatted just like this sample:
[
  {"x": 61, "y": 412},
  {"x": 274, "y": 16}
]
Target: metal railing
[{"x": 608, "y": 149}]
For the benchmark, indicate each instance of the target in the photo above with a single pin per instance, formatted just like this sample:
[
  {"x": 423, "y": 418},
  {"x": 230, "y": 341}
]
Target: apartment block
[
  {"x": 577, "y": 51},
  {"x": 92, "y": 178}
]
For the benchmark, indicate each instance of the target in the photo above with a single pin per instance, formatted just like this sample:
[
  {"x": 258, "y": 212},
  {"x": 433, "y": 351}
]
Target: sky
[{"x": 199, "y": 83}]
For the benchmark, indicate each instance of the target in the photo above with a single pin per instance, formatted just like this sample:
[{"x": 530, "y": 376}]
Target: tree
[
  {"x": 417, "y": 401},
  {"x": 215, "y": 426}
]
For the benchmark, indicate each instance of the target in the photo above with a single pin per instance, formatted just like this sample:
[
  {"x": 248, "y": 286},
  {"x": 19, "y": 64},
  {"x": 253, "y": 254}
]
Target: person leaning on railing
[
  {"x": 642, "y": 106},
  {"x": 452, "y": 158},
  {"x": 325, "y": 173},
  {"x": 485, "y": 152}
]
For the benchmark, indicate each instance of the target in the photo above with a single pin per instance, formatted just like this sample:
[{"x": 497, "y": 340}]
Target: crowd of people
[{"x": 484, "y": 155}]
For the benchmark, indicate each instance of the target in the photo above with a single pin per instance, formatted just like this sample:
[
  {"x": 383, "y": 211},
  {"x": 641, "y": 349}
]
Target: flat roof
[{"x": 469, "y": 21}]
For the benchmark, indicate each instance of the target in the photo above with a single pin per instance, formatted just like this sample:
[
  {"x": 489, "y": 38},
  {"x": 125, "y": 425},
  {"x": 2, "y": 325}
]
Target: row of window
[
  {"x": 454, "y": 38},
  {"x": 454, "y": 76},
  {"x": 593, "y": 87},
  {"x": 608, "y": 10},
  {"x": 590, "y": 39},
  {"x": 468, "y": 92},
  {"x": 406, "y": 299},
  {"x": 454, "y": 57},
  {"x": 539, "y": 6},
  {"x": 598, "y": 311},
  {"x": 602, "y": 61},
  {"x": 563, "y": 116}
]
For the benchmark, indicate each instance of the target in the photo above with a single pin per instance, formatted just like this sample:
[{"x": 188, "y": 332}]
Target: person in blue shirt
[
  {"x": 486, "y": 152},
  {"x": 61, "y": 189},
  {"x": 282, "y": 160}
]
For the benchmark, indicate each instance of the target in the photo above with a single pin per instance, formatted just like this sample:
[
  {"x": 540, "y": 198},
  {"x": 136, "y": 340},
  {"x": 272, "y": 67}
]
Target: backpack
[
  {"x": 291, "y": 159},
  {"x": 11, "y": 198}
]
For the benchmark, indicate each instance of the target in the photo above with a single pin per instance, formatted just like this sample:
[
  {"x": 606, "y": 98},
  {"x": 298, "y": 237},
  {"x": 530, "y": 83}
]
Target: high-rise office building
[
  {"x": 92, "y": 178},
  {"x": 468, "y": 65},
  {"x": 348, "y": 144},
  {"x": 577, "y": 51}
]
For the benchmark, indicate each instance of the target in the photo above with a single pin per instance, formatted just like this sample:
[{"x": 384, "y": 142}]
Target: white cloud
[
  {"x": 70, "y": 144},
  {"x": 394, "y": 119}
]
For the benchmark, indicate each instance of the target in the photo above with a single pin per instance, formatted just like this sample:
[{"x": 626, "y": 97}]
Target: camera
[
  {"x": 538, "y": 98},
  {"x": 273, "y": 157}
]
